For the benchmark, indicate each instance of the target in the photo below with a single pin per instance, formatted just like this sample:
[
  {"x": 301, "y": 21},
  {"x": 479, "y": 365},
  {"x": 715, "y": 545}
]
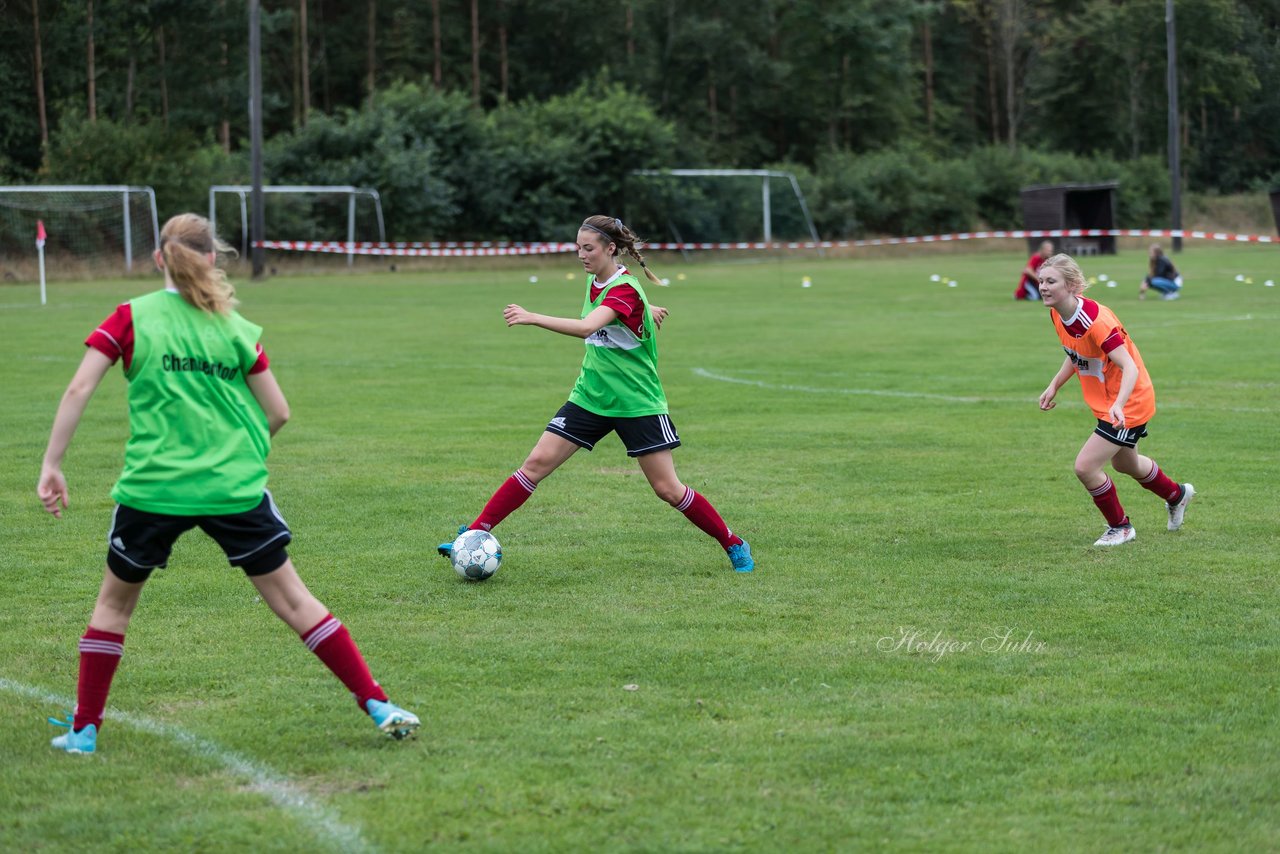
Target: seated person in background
[
  {"x": 1161, "y": 275},
  {"x": 1029, "y": 285}
]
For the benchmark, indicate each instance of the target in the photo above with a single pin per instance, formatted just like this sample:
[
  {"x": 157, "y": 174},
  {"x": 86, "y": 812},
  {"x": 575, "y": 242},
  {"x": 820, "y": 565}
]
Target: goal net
[
  {"x": 91, "y": 230},
  {"x": 302, "y": 213},
  {"x": 688, "y": 206}
]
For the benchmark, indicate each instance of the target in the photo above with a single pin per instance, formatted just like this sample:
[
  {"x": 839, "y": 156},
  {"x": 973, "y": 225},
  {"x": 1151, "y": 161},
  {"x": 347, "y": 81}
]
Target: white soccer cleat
[
  {"x": 1177, "y": 511},
  {"x": 1117, "y": 536}
]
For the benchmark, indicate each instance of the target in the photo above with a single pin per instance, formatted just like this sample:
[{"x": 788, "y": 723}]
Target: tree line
[{"x": 944, "y": 94}]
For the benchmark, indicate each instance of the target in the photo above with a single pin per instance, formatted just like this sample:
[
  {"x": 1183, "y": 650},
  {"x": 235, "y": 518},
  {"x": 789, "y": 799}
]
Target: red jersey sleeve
[
  {"x": 627, "y": 303},
  {"x": 1114, "y": 340},
  {"x": 263, "y": 362},
  {"x": 114, "y": 336}
]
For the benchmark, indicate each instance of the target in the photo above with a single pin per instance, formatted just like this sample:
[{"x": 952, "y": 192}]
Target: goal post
[
  {"x": 90, "y": 227},
  {"x": 765, "y": 177},
  {"x": 340, "y": 199}
]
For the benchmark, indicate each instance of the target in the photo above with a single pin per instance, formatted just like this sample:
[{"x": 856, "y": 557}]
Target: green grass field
[{"x": 877, "y": 440}]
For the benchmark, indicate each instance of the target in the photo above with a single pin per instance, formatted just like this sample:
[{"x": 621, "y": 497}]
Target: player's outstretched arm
[
  {"x": 586, "y": 327},
  {"x": 52, "y": 486}
]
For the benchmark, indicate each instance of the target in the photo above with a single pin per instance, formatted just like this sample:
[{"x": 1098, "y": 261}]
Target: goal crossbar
[
  {"x": 244, "y": 190},
  {"x": 764, "y": 175}
]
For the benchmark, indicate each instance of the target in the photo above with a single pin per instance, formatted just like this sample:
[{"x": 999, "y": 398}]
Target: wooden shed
[{"x": 1066, "y": 206}]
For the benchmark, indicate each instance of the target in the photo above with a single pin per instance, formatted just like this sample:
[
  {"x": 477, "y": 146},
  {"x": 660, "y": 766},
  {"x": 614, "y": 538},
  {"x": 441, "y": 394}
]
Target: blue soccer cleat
[
  {"x": 392, "y": 719},
  {"x": 740, "y": 557},
  {"x": 446, "y": 549},
  {"x": 84, "y": 741}
]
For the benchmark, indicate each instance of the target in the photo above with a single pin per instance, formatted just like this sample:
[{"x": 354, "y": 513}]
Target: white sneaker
[
  {"x": 1116, "y": 536},
  {"x": 1177, "y": 511},
  {"x": 1171, "y": 295}
]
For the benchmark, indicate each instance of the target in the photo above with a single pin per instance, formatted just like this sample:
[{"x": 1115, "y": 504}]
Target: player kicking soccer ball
[
  {"x": 1118, "y": 390},
  {"x": 618, "y": 390}
]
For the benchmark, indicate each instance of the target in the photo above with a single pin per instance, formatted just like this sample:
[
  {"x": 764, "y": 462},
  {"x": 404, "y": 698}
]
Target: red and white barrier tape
[{"x": 490, "y": 248}]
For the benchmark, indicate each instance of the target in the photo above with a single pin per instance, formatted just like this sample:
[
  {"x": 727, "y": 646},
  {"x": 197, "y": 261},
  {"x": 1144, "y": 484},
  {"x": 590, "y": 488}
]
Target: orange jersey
[{"x": 1088, "y": 336}]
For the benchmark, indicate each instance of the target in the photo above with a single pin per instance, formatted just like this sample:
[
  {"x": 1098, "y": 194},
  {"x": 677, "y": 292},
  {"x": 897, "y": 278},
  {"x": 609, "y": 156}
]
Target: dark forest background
[{"x": 513, "y": 118}]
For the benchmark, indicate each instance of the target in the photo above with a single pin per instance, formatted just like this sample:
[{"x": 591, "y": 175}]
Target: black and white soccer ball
[{"x": 476, "y": 555}]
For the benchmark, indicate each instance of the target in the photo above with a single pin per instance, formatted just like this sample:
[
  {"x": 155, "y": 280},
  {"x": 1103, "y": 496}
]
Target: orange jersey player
[{"x": 1117, "y": 388}]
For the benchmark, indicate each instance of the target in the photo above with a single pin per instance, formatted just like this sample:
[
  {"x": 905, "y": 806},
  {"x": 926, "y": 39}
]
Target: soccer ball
[{"x": 476, "y": 555}]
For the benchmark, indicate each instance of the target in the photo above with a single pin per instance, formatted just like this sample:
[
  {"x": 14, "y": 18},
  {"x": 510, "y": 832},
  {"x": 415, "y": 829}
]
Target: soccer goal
[
  {"x": 301, "y": 213},
  {"x": 721, "y": 205},
  {"x": 91, "y": 229}
]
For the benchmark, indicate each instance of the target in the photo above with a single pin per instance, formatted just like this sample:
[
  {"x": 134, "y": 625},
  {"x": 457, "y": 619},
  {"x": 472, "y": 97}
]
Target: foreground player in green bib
[
  {"x": 203, "y": 405},
  {"x": 618, "y": 389}
]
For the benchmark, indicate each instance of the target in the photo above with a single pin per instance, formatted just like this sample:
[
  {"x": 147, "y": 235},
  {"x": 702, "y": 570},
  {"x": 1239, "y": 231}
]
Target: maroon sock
[
  {"x": 699, "y": 511},
  {"x": 514, "y": 491},
  {"x": 332, "y": 644},
  {"x": 1109, "y": 503},
  {"x": 100, "y": 654},
  {"x": 1161, "y": 484}
]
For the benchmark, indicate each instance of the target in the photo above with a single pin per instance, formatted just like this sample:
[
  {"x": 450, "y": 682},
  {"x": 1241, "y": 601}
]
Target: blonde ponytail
[{"x": 186, "y": 242}]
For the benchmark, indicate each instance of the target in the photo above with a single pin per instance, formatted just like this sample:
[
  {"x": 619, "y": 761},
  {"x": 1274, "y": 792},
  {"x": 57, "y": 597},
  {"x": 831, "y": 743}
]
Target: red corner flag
[{"x": 40, "y": 235}]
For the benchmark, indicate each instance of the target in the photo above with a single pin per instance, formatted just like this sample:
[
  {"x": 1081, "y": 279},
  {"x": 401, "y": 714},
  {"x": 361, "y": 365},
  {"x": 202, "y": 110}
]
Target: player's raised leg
[
  {"x": 548, "y": 454},
  {"x": 659, "y": 468},
  {"x": 286, "y": 594}
]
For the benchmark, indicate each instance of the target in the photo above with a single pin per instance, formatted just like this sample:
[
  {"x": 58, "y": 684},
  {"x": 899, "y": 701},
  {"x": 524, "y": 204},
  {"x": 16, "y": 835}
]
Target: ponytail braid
[{"x": 624, "y": 239}]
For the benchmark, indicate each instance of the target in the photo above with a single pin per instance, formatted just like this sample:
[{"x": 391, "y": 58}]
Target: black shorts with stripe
[
  {"x": 1126, "y": 437},
  {"x": 646, "y": 434},
  {"x": 140, "y": 542}
]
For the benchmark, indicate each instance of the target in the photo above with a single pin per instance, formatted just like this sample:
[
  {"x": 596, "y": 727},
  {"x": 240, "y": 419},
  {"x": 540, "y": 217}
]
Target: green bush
[
  {"x": 179, "y": 166},
  {"x": 906, "y": 191},
  {"x": 530, "y": 171}
]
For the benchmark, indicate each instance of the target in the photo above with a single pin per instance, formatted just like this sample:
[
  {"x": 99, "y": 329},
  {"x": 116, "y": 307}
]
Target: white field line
[
  {"x": 315, "y": 817},
  {"x": 946, "y": 398}
]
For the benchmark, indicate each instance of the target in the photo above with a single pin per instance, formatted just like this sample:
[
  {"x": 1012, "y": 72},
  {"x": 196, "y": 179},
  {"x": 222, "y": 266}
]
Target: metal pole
[
  {"x": 244, "y": 226},
  {"x": 1175, "y": 168},
  {"x": 255, "y": 134},
  {"x": 128, "y": 235},
  {"x": 155, "y": 220},
  {"x": 768, "y": 214},
  {"x": 377, "y": 206},
  {"x": 351, "y": 228}
]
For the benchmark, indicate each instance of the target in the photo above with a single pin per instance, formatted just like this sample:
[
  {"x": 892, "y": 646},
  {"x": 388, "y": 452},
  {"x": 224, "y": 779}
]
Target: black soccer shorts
[
  {"x": 1125, "y": 437},
  {"x": 140, "y": 542},
  {"x": 643, "y": 435}
]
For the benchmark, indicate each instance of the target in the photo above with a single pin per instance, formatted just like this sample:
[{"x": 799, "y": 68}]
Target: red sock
[
  {"x": 100, "y": 654},
  {"x": 1161, "y": 484},
  {"x": 699, "y": 511},
  {"x": 332, "y": 644},
  {"x": 1109, "y": 503},
  {"x": 514, "y": 491}
]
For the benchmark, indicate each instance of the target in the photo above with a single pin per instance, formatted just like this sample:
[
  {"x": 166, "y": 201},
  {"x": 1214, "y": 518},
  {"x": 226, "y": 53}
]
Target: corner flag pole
[{"x": 40, "y": 238}]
